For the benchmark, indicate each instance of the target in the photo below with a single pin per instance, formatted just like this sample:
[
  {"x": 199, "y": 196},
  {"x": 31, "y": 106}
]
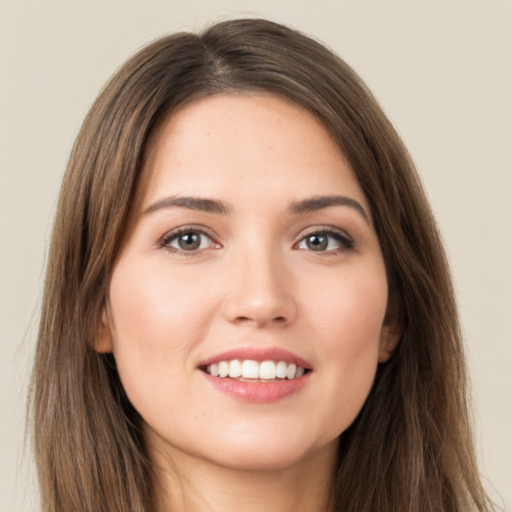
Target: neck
[{"x": 195, "y": 485}]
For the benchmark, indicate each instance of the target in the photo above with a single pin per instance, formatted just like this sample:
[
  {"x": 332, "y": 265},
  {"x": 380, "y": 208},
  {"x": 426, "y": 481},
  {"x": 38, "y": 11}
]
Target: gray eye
[
  {"x": 317, "y": 242},
  {"x": 320, "y": 242},
  {"x": 190, "y": 241}
]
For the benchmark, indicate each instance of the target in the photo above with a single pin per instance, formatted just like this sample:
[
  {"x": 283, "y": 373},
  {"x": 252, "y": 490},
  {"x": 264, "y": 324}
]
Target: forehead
[{"x": 249, "y": 144}]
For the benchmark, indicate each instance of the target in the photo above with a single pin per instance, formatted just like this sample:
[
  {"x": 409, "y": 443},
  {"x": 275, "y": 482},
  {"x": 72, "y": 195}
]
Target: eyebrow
[
  {"x": 302, "y": 207},
  {"x": 316, "y": 203},
  {"x": 191, "y": 203}
]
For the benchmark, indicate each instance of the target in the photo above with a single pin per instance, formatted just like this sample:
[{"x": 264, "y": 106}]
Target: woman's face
[{"x": 254, "y": 252}]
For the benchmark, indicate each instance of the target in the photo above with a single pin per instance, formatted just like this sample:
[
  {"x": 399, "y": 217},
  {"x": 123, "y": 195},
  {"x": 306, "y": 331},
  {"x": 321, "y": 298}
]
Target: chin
[{"x": 274, "y": 454}]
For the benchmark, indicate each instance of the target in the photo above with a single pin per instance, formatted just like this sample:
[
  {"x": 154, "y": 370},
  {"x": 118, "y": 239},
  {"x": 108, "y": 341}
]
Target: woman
[{"x": 247, "y": 304}]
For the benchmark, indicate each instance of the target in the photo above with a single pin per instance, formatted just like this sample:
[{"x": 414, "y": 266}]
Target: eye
[
  {"x": 187, "y": 240},
  {"x": 325, "y": 241}
]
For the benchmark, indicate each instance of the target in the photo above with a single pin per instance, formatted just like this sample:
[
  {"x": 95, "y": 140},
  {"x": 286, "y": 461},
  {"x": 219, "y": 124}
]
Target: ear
[
  {"x": 392, "y": 330},
  {"x": 103, "y": 342}
]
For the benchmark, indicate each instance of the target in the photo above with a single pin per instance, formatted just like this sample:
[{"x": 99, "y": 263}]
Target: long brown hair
[{"x": 410, "y": 448}]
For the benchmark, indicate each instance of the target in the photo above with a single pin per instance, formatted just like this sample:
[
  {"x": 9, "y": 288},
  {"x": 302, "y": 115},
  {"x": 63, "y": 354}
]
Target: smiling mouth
[{"x": 249, "y": 370}]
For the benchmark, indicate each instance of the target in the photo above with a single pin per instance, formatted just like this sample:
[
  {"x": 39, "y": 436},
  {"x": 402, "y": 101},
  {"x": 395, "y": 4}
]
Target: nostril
[{"x": 248, "y": 319}]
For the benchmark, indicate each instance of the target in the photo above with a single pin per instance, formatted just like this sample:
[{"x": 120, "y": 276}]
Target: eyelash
[
  {"x": 168, "y": 238},
  {"x": 345, "y": 242}
]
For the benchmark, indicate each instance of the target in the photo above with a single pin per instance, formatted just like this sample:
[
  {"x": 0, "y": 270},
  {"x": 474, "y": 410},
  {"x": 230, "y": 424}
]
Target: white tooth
[
  {"x": 268, "y": 370},
  {"x": 223, "y": 369},
  {"x": 250, "y": 369},
  {"x": 235, "y": 369},
  {"x": 214, "y": 370},
  {"x": 290, "y": 373},
  {"x": 300, "y": 372},
  {"x": 281, "y": 369}
]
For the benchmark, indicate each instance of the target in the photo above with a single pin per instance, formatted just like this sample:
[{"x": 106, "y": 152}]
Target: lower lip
[{"x": 258, "y": 392}]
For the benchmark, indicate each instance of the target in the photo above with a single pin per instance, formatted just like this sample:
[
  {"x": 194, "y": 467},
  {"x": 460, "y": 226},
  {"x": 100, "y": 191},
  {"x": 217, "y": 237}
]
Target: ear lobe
[
  {"x": 103, "y": 342},
  {"x": 389, "y": 338},
  {"x": 392, "y": 330}
]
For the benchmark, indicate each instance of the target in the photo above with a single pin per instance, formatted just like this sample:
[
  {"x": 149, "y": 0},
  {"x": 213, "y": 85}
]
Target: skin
[{"x": 254, "y": 281}]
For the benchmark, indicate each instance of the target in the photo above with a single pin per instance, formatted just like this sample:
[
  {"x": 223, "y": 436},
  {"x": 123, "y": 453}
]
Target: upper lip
[{"x": 257, "y": 354}]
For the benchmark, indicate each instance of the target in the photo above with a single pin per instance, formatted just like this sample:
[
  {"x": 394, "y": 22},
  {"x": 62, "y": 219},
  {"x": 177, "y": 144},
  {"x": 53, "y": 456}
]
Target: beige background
[{"x": 441, "y": 69}]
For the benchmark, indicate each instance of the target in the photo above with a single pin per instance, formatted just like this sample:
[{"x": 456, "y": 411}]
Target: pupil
[
  {"x": 317, "y": 242},
  {"x": 189, "y": 241}
]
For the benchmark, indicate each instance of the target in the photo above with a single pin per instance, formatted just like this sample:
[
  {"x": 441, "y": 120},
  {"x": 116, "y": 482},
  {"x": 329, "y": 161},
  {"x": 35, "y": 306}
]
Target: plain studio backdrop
[{"x": 441, "y": 69}]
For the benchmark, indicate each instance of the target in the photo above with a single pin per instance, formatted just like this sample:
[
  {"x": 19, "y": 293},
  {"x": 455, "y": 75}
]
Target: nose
[{"x": 260, "y": 292}]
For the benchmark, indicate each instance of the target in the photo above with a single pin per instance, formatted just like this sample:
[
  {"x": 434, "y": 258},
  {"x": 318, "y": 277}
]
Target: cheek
[
  {"x": 349, "y": 311},
  {"x": 155, "y": 309},
  {"x": 347, "y": 321},
  {"x": 155, "y": 326}
]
